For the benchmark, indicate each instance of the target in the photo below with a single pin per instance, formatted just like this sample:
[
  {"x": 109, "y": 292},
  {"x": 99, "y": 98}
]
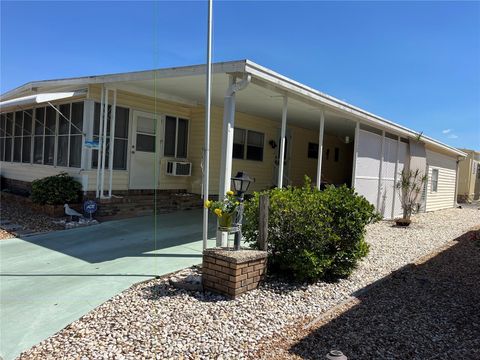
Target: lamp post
[{"x": 241, "y": 182}]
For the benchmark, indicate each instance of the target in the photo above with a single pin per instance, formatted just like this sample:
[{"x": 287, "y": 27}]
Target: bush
[
  {"x": 56, "y": 190},
  {"x": 313, "y": 234}
]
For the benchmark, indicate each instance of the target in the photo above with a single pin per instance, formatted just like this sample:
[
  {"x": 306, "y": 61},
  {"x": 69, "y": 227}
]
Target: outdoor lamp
[{"x": 241, "y": 182}]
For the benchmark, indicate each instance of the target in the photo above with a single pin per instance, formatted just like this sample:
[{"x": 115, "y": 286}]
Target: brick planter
[{"x": 232, "y": 273}]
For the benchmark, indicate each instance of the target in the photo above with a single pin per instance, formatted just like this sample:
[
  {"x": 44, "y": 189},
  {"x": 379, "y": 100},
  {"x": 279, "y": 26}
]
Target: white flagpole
[{"x": 206, "y": 147}]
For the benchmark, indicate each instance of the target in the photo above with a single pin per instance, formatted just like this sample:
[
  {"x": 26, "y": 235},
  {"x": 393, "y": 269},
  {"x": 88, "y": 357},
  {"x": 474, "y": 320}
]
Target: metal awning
[{"x": 39, "y": 98}]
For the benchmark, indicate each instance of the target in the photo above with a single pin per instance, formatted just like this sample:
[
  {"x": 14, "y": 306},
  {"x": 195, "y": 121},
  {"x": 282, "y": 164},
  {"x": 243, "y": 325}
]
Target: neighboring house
[
  {"x": 155, "y": 129},
  {"x": 469, "y": 177}
]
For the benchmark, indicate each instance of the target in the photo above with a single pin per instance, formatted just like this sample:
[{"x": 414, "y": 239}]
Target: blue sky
[{"x": 416, "y": 63}]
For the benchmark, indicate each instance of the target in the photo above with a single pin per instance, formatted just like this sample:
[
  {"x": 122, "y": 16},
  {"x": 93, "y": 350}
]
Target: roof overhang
[
  {"x": 260, "y": 75},
  {"x": 31, "y": 100}
]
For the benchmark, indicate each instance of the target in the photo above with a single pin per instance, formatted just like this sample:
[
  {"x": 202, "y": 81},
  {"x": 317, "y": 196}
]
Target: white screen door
[{"x": 144, "y": 160}]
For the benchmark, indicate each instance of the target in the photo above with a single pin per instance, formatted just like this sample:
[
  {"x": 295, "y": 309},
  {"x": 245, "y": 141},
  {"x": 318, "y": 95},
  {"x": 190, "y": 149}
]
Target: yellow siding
[
  {"x": 444, "y": 197},
  {"x": 119, "y": 180},
  {"x": 465, "y": 177},
  {"x": 30, "y": 172}
]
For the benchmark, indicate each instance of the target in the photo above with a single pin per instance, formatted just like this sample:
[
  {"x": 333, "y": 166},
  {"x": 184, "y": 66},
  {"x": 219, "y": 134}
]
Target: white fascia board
[
  {"x": 156, "y": 95},
  {"x": 288, "y": 85},
  {"x": 221, "y": 67},
  {"x": 39, "y": 99}
]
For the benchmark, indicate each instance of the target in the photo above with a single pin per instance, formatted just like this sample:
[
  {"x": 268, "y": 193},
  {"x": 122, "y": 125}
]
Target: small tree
[{"x": 410, "y": 185}]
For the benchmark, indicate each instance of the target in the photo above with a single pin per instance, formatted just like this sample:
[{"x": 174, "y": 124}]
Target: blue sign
[
  {"x": 90, "y": 206},
  {"x": 92, "y": 144}
]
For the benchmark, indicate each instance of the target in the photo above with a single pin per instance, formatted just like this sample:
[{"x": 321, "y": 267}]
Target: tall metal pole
[{"x": 206, "y": 147}]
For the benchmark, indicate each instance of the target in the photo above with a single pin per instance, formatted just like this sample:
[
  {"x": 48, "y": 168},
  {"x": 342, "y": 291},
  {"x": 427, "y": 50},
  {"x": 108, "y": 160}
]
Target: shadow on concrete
[
  {"x": 142, "y": 236},
  {"x": 425, "y": 311}
]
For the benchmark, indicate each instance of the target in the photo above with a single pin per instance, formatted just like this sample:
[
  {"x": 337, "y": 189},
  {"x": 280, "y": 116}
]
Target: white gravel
[{"x": 154, "y": 320}]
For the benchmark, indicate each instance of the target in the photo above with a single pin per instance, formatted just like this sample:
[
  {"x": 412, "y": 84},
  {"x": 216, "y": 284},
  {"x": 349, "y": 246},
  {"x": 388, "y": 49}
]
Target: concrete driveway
[{"x": 48, "y": 281}]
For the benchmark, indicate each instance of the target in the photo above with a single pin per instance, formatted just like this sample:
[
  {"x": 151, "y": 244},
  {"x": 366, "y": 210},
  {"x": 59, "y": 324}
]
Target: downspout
[
  {"x": 227, "y": 142},
  {"x": 455, "y": 203}
]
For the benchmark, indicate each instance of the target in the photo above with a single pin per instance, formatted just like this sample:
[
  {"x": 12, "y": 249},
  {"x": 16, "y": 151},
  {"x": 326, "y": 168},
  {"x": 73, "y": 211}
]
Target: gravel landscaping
[
  {"x": 155, "y": 320},
  {"x": 27, "y": 220}
]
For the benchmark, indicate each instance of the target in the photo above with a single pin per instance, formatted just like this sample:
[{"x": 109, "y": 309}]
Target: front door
[
  {"x": 144, "y": 162},
  {"x": 286, "y": 160}
]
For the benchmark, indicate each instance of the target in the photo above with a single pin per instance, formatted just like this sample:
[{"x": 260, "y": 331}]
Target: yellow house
[
  {"x": 153, "y": 124},
  {"x": 469, "y": 177}
]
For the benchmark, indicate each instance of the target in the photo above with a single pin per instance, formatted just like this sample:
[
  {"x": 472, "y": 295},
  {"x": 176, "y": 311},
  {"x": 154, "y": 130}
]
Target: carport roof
[{"x": 261, "y": 77}]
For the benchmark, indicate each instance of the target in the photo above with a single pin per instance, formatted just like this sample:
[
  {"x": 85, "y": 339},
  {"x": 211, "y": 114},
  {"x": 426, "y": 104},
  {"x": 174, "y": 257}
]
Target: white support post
[
  {"x": 100, "y": 140},
  {"x": 281, "y": 160},
  {"x": 355, "y": 153},
  {"x": 320, "y": 149},
  {"x": 395, "y": 177},
  {"x": 104, "y": 142},
  {"x": 227, "y": 142},
  {"x": 112, "y": 143},
  {"x": 380, "y": 171}
]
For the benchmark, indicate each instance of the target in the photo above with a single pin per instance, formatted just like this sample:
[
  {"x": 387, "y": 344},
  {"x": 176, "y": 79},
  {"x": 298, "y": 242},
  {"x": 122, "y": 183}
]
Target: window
[
  {"x": 69, "y": 139},
  {"x": 176, "y": 137},
  {"x": 16, "y": 136},
  {"x": 239, "y": 143},
  {"x": 434, "y": 180},
  {"x": 120, "y": 137},
  {"x": 38, "y": 135},
  {"x": 43, "y": 136},
  {"x": 248, "y": 144},
  {"x": 312, "y": 150},
  {"x": 327, "y": 154},
  {"x": 49, "y": 135},
  {"x": 337, "y": 154},
  {"x": 478, "y": 171},
  {"x": 27, "y": 135},
  {"x": 6, "y": 136}
]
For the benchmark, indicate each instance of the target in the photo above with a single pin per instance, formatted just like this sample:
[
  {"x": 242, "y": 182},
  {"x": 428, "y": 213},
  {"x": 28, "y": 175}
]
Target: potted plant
[
  {"x": 225, "y": 210},
  {"x": 410, "y": 188}
]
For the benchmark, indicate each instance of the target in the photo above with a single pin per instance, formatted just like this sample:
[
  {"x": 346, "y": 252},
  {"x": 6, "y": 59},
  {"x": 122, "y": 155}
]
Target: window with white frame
[
  {"x": 248, "y": 144},
  {"x": 434, "y": 180},
  {"x": 176, "y": 137},
  {"x": 120, "y": 136},
  {"x": 6, "y": 133},
  {"x": 42, "y": 136}
]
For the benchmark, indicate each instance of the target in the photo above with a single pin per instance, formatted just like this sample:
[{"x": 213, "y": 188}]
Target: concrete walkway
[{"x": 48, "y": 281}]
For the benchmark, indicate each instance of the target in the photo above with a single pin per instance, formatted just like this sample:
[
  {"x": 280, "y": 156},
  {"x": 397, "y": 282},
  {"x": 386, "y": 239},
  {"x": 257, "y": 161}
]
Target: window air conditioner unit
[{"x": 179, "y": 168}]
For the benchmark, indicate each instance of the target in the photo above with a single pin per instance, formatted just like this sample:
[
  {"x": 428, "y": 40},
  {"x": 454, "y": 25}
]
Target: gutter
[{"x": 287, "y": 84}]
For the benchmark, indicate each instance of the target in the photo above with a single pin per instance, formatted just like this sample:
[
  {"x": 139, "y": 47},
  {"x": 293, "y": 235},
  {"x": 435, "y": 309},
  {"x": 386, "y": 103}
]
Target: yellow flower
[
  {"x": 207, "y": 203},
  {"x": 218, "y": 212},
  {"x": 237, "y": 203},
  {"x": 230, "y": 193}
]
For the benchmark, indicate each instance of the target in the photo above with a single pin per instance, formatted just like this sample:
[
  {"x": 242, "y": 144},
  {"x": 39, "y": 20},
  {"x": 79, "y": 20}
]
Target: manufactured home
[{"x": 130, "y": 133}]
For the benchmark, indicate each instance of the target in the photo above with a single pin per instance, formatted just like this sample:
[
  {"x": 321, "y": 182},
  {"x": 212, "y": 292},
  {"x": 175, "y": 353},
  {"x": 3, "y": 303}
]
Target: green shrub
[
  {"x": 56, "y": 190},
  {"x": 312, "y": 234}
]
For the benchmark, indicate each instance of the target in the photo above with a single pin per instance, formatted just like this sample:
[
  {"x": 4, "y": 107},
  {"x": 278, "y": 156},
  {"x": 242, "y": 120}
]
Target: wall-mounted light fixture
[{"x": 273, "y": 144}]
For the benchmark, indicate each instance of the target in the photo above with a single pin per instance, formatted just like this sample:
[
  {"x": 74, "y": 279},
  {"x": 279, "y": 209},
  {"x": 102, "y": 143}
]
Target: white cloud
[
  {"x": 446, "y": 131},
  {"x": 453, "y": 136}
]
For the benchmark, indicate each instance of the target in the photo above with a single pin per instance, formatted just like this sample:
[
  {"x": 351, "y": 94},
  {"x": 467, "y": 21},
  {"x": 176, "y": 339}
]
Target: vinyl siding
[
  {"x": 31, "y": 172},
  {"x": 263, "y": 171},
  {"x": 444, "y": 197}
]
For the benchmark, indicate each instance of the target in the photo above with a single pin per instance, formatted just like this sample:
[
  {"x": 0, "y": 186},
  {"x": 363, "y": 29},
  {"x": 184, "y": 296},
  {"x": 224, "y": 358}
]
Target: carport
[{"x": 50, "y": 280}]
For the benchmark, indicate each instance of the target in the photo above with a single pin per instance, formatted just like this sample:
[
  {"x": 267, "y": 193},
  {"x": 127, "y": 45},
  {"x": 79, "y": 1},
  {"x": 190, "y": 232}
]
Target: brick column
[{"x": 232, "y": 273}]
